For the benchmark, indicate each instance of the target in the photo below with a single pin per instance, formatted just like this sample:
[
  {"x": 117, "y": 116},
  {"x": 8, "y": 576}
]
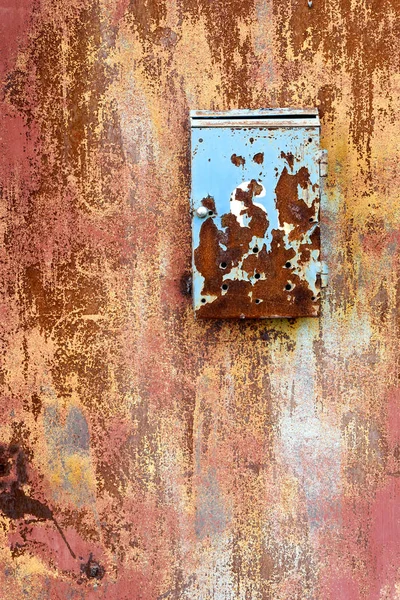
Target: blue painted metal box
[{"x": 255, "y": 209}]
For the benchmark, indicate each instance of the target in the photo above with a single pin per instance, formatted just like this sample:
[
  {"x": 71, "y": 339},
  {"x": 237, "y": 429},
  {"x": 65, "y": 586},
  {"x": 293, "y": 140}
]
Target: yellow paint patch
[{"x": 78, "y": 471}]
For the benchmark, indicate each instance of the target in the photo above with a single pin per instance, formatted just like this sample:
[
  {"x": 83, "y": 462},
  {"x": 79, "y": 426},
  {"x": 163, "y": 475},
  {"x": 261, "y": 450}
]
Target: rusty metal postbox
[{"x": 255, "y": 210}]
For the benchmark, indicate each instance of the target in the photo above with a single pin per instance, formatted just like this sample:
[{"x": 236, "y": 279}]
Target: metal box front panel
[{"x": 256, "y": 250}]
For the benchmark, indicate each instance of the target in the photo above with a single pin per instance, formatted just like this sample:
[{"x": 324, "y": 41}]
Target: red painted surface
[{"x": 143, "y": 454}]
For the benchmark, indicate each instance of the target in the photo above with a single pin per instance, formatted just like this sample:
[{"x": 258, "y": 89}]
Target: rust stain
[
  {"x": 209, "y": 203},
  {"x": 14, "y": 502},
  {"x": 145, "y": 454},
  {"x": 292, "y": 209},
  {"x": 278, "y": 288},
  {"x": 259, "y": 158},
  {"x": 289, "y": 157},
  {"x": 238, "y": 161}
]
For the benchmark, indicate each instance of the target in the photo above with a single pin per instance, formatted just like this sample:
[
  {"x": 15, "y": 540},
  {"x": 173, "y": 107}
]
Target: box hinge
[
  {"x": 324, "y": 274},
  {"x": 322, "y": 159}
]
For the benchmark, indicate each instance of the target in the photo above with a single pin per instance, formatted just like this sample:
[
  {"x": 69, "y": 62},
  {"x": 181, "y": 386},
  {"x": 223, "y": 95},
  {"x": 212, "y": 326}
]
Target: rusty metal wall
[{"x": 145, "y": 455}]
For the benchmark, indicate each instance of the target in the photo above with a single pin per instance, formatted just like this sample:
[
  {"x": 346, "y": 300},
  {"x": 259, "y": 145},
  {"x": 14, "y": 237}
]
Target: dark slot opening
[{"x": 260, "y": 116}]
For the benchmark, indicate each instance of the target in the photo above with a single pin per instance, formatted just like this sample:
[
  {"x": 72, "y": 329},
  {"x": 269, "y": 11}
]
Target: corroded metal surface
[
  {"x": 145, "y": 454},
  {"x": 256, "y": 245}
]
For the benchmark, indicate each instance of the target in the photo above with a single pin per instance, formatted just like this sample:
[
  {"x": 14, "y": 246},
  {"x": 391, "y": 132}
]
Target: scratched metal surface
[
  {"x": 256, "y": 253},
  {"x": 145, "y": 454}
]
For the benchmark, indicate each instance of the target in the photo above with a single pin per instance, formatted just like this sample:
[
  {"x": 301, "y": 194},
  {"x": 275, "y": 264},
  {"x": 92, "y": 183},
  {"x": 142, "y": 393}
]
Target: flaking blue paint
[{"x": 215, "y": 175}]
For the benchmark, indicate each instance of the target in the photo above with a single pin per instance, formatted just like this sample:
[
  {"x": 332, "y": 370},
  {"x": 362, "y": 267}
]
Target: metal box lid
[
  {"x": 263, "y": 117},
  {"x": 255, "y": 209}
]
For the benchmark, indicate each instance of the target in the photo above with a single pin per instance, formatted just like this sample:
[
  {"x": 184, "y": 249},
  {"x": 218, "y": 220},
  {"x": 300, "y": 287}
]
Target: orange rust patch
[
  {"x": 292, "y": 209},
  {"x": 289, "y": 157},
  {"x": 238, "y": 161},
  {"x": 276, "y": 289}
]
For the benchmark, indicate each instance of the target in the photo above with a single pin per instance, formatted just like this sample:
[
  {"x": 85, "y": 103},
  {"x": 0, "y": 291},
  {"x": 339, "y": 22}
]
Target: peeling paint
[
  {"x": 145, "y": 454},
  {"x": 256, "y": 251}
]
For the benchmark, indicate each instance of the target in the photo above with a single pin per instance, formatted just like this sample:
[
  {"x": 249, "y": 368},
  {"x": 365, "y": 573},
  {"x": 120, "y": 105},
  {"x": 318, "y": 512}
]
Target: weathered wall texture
[{"x": 144, "y": 455}]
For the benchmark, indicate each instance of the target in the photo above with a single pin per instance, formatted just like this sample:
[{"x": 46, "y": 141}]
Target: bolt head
[
  {"x": 94, "y": 570},
  {"x": 202, "y": 212}
]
